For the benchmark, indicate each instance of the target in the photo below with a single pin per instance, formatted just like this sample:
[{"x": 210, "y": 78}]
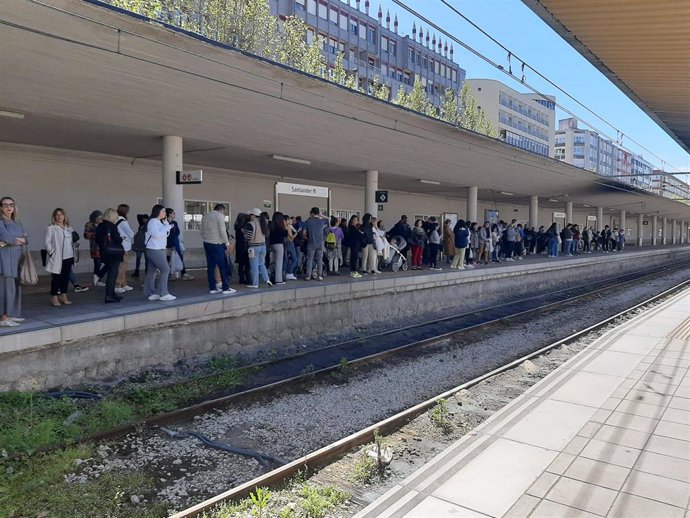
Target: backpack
[
  {"x": 331, "y": 241},
  {"x": 139, "y": 241}
]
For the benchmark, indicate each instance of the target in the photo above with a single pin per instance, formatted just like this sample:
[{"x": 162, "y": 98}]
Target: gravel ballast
[{"x": 296, "y": 423}]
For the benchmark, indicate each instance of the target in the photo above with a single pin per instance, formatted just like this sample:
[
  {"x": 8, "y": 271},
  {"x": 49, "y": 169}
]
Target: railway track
[
  {"x": 275, "y": 375},
  {"x": 332, "y": 451}
]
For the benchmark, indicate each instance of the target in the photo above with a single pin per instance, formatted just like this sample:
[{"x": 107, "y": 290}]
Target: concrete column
[
  {"x": 372, "y": 185},
  {"x": 655, "y": 229},
  {"x": 534, "y": 211},
  {"x": 640, "y": 226},
  {"x": 623, "y": 223},
  {"x": 673, "y": 232},
  {"x": 664, "y": 235},
  {"x": 472, "y": 205},
  {"x": 173, "y": 194},
  {"x": 683, "y": 233},
  {"x": 600, "y": 218},
  {"x": 568, "y": 212}
]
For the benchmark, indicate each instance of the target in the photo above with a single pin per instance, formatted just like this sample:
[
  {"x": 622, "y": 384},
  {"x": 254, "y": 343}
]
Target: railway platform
[
  {"x": 91, "y": 341},
  {"x": 605, "y": 435}
]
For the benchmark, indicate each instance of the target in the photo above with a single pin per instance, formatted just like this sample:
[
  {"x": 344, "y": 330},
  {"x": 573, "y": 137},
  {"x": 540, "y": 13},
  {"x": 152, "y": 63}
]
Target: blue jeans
[
  {"x": 568, "y": 246},
  {"x": 215, "y": 256},
  {"x": 290, "y": 259},
  {"x": 553, "y": 246},
  {"x": 573, "y": 247},
  {"x": 257, "y": 264}
]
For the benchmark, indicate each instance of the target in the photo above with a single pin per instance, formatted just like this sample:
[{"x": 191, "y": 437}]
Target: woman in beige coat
[
  {"x": 60, "y": 253},
  {"x": 448, "y": 241}
]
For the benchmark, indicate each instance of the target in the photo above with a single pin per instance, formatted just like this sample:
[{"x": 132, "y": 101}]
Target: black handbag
[{"x": 113, "y": 249}]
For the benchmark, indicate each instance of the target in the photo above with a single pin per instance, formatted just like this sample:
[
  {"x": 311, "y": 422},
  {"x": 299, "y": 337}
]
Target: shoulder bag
[{"x": 27, "y": 270}]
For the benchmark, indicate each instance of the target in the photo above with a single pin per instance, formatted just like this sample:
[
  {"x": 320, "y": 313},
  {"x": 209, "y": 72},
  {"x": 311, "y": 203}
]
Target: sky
[{"x": 519, "y": 29}]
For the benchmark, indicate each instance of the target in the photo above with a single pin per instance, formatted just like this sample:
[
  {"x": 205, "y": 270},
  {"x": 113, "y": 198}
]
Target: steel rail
[
  {"x": 330, "y": 452},
  {"x": 173, "y": 416}
]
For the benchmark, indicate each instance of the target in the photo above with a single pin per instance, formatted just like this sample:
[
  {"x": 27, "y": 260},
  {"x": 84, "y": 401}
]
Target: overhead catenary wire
[{"x": 522, "y": 80}]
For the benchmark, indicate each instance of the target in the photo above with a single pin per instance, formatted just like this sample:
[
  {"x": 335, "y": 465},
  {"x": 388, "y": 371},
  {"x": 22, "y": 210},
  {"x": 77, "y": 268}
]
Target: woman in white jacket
[{"x": 60, "y": 253}]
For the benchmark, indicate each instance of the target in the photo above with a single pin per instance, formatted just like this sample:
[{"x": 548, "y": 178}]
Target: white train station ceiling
[
  {"x": 642, "y": 46},
  {"x": 90, "y": 79}
]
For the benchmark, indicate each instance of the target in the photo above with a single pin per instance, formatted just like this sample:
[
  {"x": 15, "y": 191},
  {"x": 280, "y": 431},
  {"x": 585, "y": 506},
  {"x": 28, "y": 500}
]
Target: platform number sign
[
  {"x": 381, "y": 196},
  {"x": 189, "y": 177}
]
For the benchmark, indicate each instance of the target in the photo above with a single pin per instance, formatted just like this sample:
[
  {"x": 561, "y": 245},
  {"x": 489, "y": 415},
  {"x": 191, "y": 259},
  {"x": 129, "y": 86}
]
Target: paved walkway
[
  {"x": 606, "y": 434},
  {"x": 88, "y": 306}
]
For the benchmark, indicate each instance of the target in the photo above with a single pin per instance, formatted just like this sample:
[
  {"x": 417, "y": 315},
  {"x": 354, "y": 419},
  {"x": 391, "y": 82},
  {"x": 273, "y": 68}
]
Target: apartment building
[
  {"x": 670, "y": 186},
  {"x": 527, "y": 121},
  {"x": 373, "y": 48},
  {"x": 588, "y": 150}
]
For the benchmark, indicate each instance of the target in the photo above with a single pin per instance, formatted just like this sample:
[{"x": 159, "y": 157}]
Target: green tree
[
  {"x": 450, "y": 109},
  {"x": 380, "y": 90},
  {"x": 471, "y": 115},
  {"x": 416, "y": 99}
]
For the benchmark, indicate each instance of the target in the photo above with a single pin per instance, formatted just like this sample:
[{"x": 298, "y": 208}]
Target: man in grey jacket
[{"x": 316, "y": 228}]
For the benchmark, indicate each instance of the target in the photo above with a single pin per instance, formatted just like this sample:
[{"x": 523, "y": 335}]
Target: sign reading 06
[{"x": 188, "y": 177}]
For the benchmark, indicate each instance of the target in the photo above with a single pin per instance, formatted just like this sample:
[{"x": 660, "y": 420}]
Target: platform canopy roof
[
  {"x": 642, "y": 46},
  {"x": 88, "y": 78}
]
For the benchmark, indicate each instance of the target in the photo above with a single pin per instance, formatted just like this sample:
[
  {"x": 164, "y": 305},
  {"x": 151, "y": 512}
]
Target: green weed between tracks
[
  {"x": 298, "y": 499},
  {"x": 34, "y": 484},
  {"x": 29, "y": 421},
  {"x": 36, "y": 487}
]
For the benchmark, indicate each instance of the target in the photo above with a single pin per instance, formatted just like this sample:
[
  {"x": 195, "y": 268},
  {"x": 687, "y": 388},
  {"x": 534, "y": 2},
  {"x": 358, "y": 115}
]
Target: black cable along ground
[
  {"x": 328, "y": 453},
  {"x": 284, "y": 372}
]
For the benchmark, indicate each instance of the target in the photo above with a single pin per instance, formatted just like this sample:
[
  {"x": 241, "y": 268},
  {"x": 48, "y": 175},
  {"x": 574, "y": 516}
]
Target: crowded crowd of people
[{"x": 267, "y": 250}]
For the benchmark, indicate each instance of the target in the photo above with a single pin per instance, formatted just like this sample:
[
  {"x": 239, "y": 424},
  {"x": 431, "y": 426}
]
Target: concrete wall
[
  {"x": 41, "y": 179},
  {"x": 260, "y": 322}
]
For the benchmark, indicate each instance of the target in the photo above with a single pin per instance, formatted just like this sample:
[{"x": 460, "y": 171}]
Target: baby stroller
[{"x": 396, "y": 260}]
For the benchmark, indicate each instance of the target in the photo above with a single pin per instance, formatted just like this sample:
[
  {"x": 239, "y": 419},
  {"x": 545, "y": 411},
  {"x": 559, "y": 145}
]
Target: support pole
[
  {"x": 173, "y": 194},
  {"x": 534, "y": 212},
  {"x": 600, "y": 219},
  {"x": 472, "y": 204},
  {"x": 640, "y": 233},
  {"x": 372, "y": 185},
  {"x": 655, "y": 229},
  {"x": 664, "y": 236},
  {"x": 568, "y": 212}
]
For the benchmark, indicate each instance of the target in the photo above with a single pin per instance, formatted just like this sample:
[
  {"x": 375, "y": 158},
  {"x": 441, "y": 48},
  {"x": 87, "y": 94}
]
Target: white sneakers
[
  {"x": 120, "y": 290},
  {"x": 8, "y": 323},
  {"x": 229, "y": 291},
  {"x": 164, "y": 298},
  {"x": 216, "y": 291},
  {"x": 290, "y": 277}
]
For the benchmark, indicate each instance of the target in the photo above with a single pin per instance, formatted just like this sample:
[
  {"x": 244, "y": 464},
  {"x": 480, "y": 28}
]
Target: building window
[
  {"x": 363, "y": 30},
  {"x": 372, "y": 35},
  {"x": 332, "y": 45},
  {"x": 343, "y": 21},
  {"x": 194, "y": 210},
  {"x": 384, "y": 44},
  {"x": 354, "y": 27},
  {"x": 425, "y": 62},
  {"x": 311, "y": 6},
  {"x": 323, "y": 11},
  {"x": 410, "y": 54},
  {"x": 310, "y": 36},
  {"x": 406, "y": 78},
  {"x": 455, "y": 76},
  {"x": 437, "y": 66},
  {"x": 393, "y": 48},
  {"x": 334, "y": 15},
  {"x": 300, "y": 3},
  {"x": 384, "y": 69}
]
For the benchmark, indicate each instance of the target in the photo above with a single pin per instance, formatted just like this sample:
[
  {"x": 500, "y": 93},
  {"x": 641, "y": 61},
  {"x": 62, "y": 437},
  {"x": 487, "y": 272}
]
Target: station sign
[
  {"x": 188, "y": 177},
  {"x": 645, "y": 222},
  {"x": 301, "y": 190},
  {"x": 559, "y": 215},
  {"x": 591, "y": 218},
  {"x": 381, "y": 196}
]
